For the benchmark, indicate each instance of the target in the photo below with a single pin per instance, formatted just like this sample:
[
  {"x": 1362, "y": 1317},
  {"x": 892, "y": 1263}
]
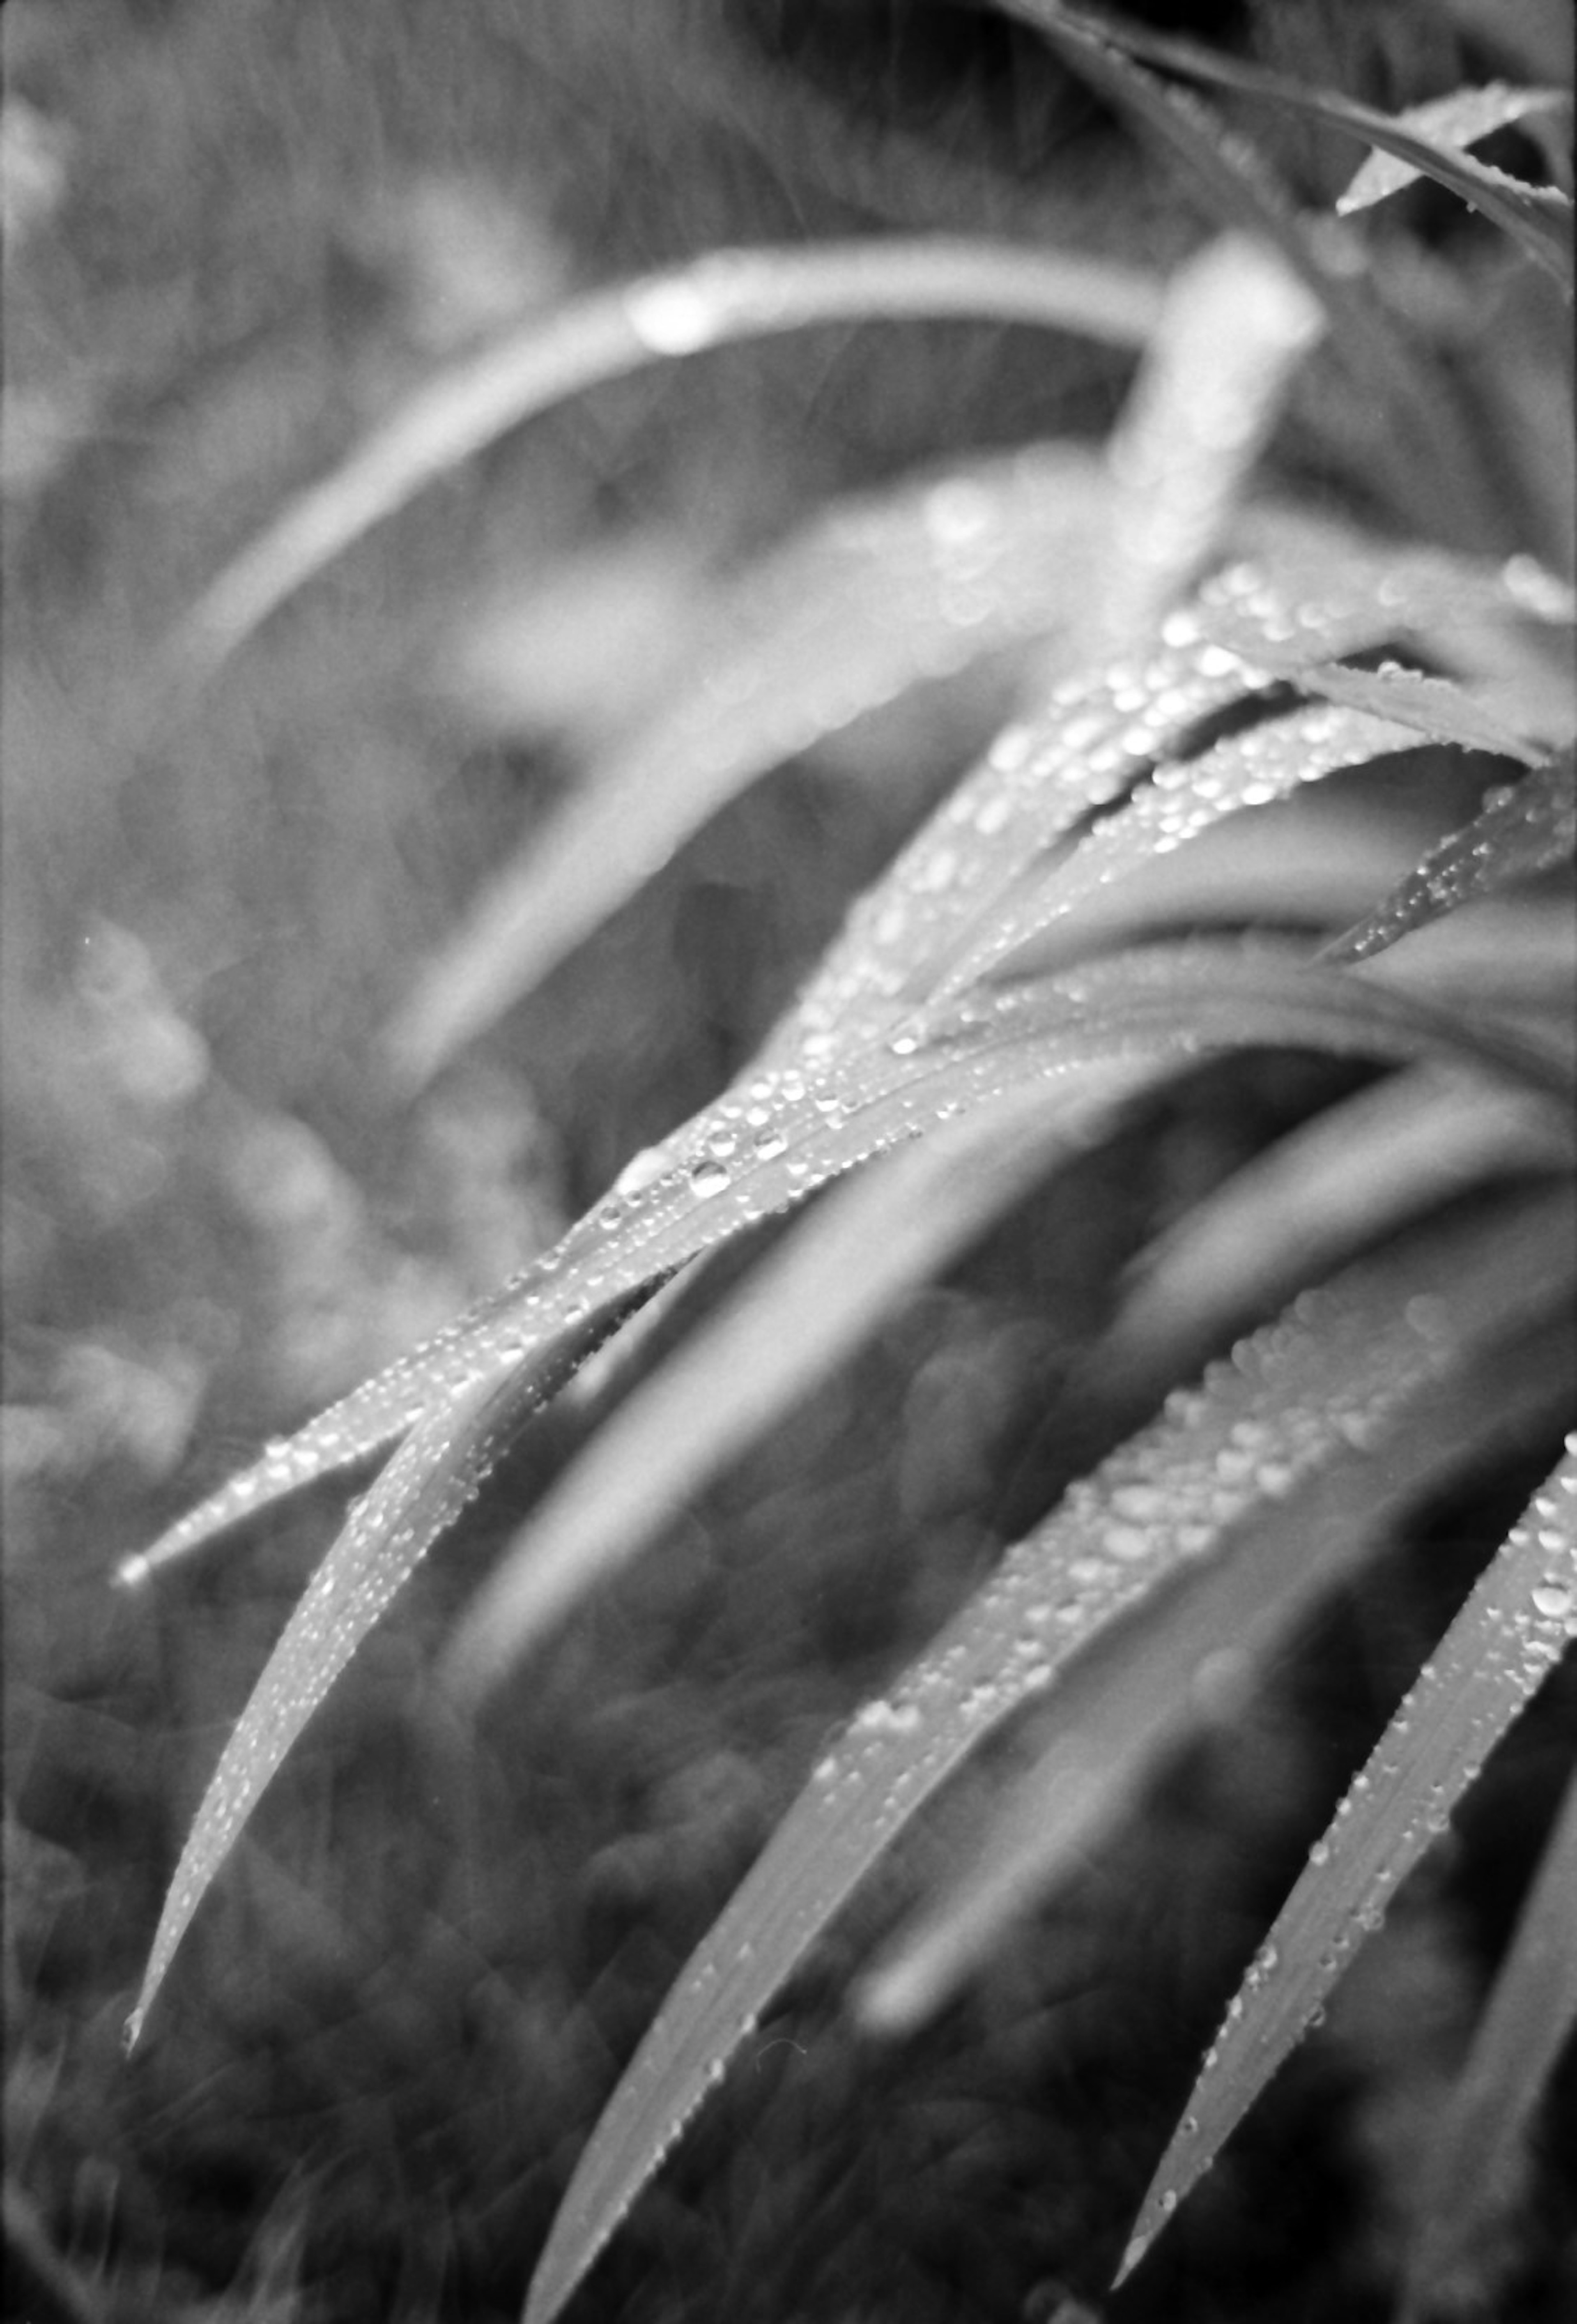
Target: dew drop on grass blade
[
  {"x": 1510, "y": 1634},
  {"x": 716, "y": 1187},
  {"x": 1333, "y": 1375},
  {"x": 726, "y": 295},
  {"x": 1522, "y": 829},
  {"x": 879, "y": 595},
  {"x": 800, "y": 1313},
  {"x": 1123, "y": 1712}
]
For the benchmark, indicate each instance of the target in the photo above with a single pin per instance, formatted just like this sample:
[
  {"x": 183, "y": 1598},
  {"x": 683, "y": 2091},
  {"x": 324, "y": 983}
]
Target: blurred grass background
[{"x": 238, "y": 231}]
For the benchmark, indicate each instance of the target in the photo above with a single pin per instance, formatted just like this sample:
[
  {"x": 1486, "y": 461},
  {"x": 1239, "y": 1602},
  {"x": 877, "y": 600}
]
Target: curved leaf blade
[
  {"x": 727, "y": 295},
  {"x": 1515, "y": 1627},
  {"x": 1521, "y": 830},
  {"x": 879, "y": 594},
  {"x": 1537, "y": 218},
  {"x": 1339, "y": 1371},
  {"x": 1475, "y": 2164},
  {"x": 801, "y": 1312}
]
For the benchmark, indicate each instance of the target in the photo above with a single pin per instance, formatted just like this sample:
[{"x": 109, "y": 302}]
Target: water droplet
[
  {"x": 706, "y": 1179},
  {"x": 767, "y": 1143},
  {"x": 1553, "y": 1597}
]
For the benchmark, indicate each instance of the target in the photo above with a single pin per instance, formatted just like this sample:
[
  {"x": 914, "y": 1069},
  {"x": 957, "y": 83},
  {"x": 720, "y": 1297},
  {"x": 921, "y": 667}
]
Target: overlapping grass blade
[
  {"x": 1522, "y": 829},
  {"x": 1429, "y": 462},
  {"x": 1340, "y": 1373},
  {"x": 1164, "y": 1003},
  {"x": 1461, "y": 119},
  {"x": 1183, "y": 800},
  {"x": 1362, "y": 1170},
  {"x": 1503, "y": 1645},
  {"x": 726, "y": 295},
  {"x": 798, "y": 1314},
  {"x": 420, "y": 1493},
  {"x": 1537, "y": 218},
  {"x": 877, "y": 595}
]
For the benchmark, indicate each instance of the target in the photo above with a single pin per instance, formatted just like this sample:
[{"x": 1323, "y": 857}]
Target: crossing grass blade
[
  {"x": 1164, "y": 1003},
  {"x": 799, "y": 1312},
  {"x": 1341, "y": 1372},
  {"x": 1508, "y": 1637},
  {"x": 724, "y": 296},
  {"x": 1536, "y": 218},
  {"x": 1463, "y": 119}
]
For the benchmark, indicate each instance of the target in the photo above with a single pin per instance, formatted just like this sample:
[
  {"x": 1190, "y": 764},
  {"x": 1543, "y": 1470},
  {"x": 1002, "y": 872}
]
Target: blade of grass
[
  {"x": 1362, "y": 1170},
  {"x": 1477, "y": 2150},
  {"x": 1537, "y": 218},
  {"x": 1342, "y": 1370},
  {"x": 1496, "y": 1655},
  {"x": 1462, "y": 118},
  {"x": 1427, "y": 460},
  {"x": 801, "y": 1312},
  {"x": 877, "y": 595},
  {"x": 724, "y": 296},
  {"x": 1521, "y": 830}
]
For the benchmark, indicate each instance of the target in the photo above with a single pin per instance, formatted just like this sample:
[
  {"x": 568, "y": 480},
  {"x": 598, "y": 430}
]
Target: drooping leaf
[
  {"x": 420, "y": 1493},
  {"x": 1537, "y": 218},
  {"x": 1336, "y": 1184},
  {"x": 1475, "y": 2165},
  {"x": 1336, "y": 1376},
  {"x": 878, "y": 596},
  {"x": 726, "y": 295},
  {"x": 1510, "y": 1634},
  {"x": 1522, "y": 829},
  {"x": 1163, "y": 1003},
  {"x": 1463, "y": 119},
  {"x": 799, "y": 1313}
]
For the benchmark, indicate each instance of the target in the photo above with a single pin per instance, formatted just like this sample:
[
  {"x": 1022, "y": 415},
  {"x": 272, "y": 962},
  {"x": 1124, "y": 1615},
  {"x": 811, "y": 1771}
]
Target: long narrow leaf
[
  {"x": 1521, "y": 830},
  {"x": 1477, "y": 2148},
  {"x": 882, "y": 594},
  {"x": 1339, "y": 1373},
  {"x": 727, "y": 295},
  {"x": 1311, "y": 1201},
  {"x": 1464, "y": 118},
  {"x": 799, "y": 1313},
  {"x": 784, "y": 1130},
  {"x": 1538, "y": 218},
  {"x": 1499, "y": 1650},
  {"x": 1428, "y": 460}
]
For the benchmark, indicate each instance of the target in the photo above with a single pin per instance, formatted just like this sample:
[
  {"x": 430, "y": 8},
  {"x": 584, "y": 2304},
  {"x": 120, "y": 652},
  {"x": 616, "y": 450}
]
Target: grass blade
[
  {"x": 880, "y": 595},
  {"x": 1496, "y": 1655},
  {"x": 1537, "y": 218},
  {"x": 420, "y": 1493},
  {"x": 1346, "y": 1363},
  {"x": 801, "y": 1312},
  {"x": 1455, "y": 121},
  {"x": 1355, "y": 1173},
  {"x": 727, "y": 295},
  {"x": 1521, "y": 830},
  {"x": 1475, "y": 2165}
]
